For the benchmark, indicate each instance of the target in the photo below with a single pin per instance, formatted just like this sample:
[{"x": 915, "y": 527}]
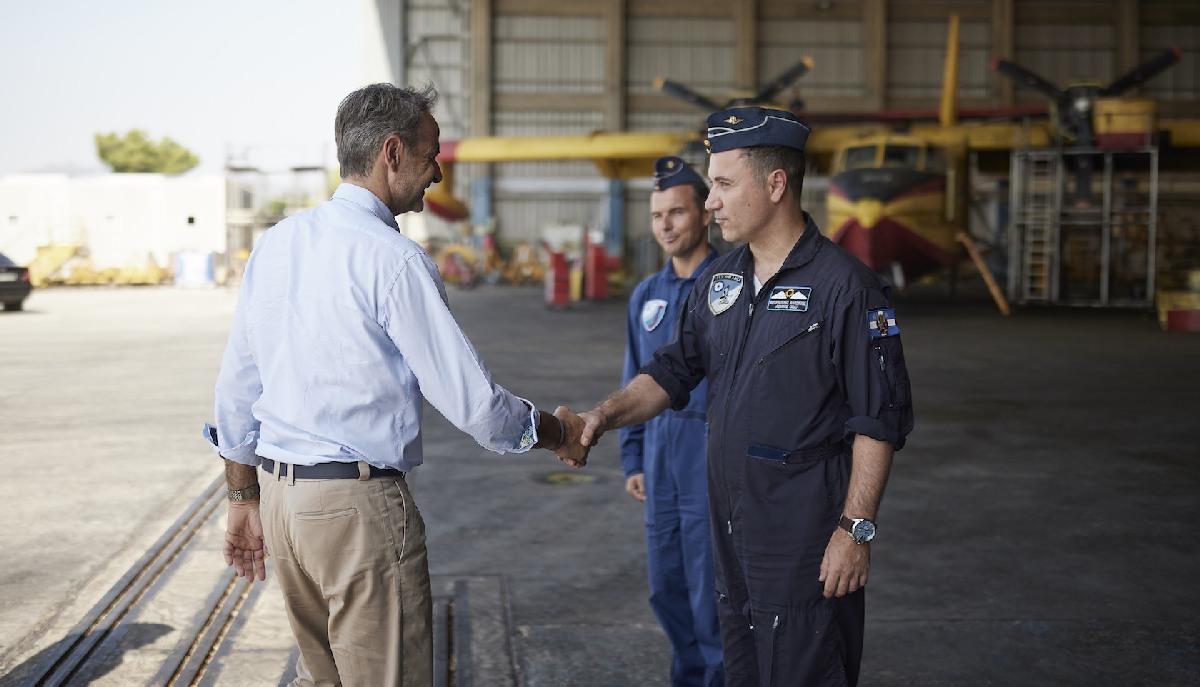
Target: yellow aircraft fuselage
[{"x": 895, "y": 199}]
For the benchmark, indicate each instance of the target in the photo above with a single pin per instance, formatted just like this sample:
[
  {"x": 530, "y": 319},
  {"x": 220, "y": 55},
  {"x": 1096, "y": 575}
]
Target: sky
[{"x": 257, "y": 81}]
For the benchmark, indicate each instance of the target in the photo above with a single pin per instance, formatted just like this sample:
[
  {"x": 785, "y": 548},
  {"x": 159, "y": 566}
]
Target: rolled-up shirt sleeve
[
  {"x": 448, "y": 370},
  {"x": 234, "y": 435},
  {"x": 873, "y": 370}
]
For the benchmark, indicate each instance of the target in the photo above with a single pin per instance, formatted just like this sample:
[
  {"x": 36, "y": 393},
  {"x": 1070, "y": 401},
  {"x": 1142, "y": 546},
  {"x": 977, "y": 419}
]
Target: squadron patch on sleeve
[
  {"x": 653, "y": 313},
  {"x": 790, "y": 298},
  {"x": 882, "y": 323},
  {"x": 723, "y": 291}
]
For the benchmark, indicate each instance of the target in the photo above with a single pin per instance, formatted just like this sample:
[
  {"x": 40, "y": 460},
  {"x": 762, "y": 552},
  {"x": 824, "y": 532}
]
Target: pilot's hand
[
  {"x": 572, "y": 450},
  {"x": 635, "y": 486}
]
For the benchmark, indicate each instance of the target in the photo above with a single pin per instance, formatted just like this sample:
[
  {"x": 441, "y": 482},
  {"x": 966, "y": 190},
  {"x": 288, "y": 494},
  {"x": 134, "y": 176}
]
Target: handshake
[{"x": 573, "y": 436}]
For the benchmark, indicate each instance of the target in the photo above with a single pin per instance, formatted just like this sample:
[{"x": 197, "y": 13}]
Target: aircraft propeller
[
  {"x": 1075, "y": 102},
  {"x": 764, "y": 95},
  {"x": 1074, "y": 105}
]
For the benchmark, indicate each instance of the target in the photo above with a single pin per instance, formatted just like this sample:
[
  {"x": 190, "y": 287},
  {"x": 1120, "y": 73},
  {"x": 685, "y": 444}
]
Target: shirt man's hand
[
  {"x": 572, "y": 451},
  {"x": 244, "y": 547}
]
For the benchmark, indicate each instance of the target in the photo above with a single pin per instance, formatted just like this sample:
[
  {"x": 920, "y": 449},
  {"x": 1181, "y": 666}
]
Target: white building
[{"x": 119, "y": 220}]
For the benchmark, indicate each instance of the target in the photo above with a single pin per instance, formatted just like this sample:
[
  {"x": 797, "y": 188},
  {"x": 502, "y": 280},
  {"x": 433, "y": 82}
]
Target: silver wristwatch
[
  {"x": 244, "y": 494},
  {"x": 861, "y": 529}
]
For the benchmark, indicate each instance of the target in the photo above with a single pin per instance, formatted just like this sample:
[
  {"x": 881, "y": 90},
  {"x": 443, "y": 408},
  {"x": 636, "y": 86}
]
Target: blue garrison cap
[
  {"x": 745, "y": 127},
  {"x": 672, "y": 171}
]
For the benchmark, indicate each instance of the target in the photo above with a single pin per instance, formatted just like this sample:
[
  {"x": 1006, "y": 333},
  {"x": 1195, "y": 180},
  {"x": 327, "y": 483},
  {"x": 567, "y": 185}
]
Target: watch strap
[
  {"x": 849, "y": 524},
  {"x": 249, "y": 493}
]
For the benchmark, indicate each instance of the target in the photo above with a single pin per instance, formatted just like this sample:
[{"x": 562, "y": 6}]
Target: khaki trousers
[{"x": 349, "y": 556}]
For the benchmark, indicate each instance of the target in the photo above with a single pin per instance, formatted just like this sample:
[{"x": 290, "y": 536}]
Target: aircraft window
[
  {"x": 934, "y": 160},
  {"x": 901, "y": 156},
  {"x": 860, "y": 156}
]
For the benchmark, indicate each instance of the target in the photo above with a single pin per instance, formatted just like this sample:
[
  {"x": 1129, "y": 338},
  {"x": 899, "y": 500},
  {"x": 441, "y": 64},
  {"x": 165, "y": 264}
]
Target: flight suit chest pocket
[
  {"x": 791, "y": 378},
  {"x": 784, "y": 332}
]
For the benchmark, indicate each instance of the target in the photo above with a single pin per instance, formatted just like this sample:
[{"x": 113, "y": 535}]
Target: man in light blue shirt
[{"x": 340, "y": 333}]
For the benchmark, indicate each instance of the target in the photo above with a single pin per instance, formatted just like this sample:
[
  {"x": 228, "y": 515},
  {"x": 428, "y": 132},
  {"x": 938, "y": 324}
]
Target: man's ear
[
  {"x": 777, "y": 182},
  {"x": 393, "y": 150}
]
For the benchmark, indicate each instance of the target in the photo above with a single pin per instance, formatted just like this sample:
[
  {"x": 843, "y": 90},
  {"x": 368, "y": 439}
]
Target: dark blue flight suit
[
  {"x": 794, "y": 373},
  {"x": 669, "y": 451}
]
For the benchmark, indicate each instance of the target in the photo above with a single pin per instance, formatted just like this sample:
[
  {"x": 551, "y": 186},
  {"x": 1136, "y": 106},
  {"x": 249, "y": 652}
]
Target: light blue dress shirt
[{"x": 341, "y": 329}]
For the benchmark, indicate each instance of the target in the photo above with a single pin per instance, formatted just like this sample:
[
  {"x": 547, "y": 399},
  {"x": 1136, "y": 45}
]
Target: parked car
[{"x": 14, "y": 284}]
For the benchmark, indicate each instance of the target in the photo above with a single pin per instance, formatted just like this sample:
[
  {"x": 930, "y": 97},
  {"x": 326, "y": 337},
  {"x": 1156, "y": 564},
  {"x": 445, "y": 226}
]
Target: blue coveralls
[
  {"x": 794, "y": 372},
  {"x": 669, "y": 450}
]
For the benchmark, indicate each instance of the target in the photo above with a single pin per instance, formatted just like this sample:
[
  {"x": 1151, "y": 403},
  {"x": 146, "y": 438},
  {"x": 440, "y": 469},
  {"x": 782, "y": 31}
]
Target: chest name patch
[
  {"x": 653, "y": 313},
  {"x": 789, "y": 298},
  {"x": 882, "y": 323},
  {"x": 723, "y": 291}
]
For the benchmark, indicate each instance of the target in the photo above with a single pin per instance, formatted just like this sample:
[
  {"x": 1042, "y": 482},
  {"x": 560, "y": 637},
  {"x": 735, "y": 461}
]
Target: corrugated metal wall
[
  {"x": 1181, "y": 82},
  {"x": 535, "y": 54},
  {"x": 836, "y": 49},
  {"x": 436, "y": 52},
  {"x": 698, "y": 52},
  {"x": 917, "y": 53},
  {"x": 1062, "y": 54}
]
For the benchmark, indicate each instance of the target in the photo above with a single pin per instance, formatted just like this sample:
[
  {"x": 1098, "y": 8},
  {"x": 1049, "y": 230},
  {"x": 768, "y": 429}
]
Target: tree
[{"x": 135, "y": 152}]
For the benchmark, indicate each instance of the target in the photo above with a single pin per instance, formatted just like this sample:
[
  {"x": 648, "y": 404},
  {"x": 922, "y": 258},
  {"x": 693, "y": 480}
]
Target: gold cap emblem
[
  {"x": 733, "y": 120},
  {"x": 670, "y": 164}
]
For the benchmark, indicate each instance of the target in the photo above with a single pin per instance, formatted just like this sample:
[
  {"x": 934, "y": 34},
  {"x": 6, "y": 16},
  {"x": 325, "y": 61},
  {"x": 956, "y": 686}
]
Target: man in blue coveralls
[
  {"x": 663, "y": 459},
  {"x": 808, "y": 398}
]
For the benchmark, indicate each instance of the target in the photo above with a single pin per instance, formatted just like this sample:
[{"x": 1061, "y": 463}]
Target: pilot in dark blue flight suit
[
  {"x": 663, "y": 459},
  {"x": 808, "y": 398}
]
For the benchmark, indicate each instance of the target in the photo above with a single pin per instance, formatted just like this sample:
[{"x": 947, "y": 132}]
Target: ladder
[{"x": 1036, "y": 205}]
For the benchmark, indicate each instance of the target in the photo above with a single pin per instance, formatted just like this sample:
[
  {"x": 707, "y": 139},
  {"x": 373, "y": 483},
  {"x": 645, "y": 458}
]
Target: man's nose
[
  {"x": 711, "y": 202},
  {"x": 437, "y": 178}
]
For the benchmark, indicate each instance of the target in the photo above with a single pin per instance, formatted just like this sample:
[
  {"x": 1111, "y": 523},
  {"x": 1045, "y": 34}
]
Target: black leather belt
[{"x": 328, "y": 470}]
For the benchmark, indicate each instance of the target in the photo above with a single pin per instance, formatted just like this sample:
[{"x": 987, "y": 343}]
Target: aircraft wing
[{"x": 617, "y": 155}]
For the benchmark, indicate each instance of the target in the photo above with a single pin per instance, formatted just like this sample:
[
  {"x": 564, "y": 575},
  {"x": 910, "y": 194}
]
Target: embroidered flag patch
[
  {"x": 653, "y": 313},
  {"x": 790, "y": 298},
  {"x": 882, "y": 323},
  {"x": 723, "y": 291}
]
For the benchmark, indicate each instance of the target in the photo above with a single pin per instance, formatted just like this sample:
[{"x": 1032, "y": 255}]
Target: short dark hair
[
  {"x": 767, "y": 159},
  {"x": 368, "y": 116},
  {"x": 701, "y": 191}
]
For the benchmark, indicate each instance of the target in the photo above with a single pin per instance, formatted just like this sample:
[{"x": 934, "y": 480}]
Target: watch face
[{"x": 864, "y": 531}]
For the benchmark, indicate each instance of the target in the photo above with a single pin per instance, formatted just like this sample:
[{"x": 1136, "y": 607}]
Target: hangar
[{"x": 540, "y": 68}]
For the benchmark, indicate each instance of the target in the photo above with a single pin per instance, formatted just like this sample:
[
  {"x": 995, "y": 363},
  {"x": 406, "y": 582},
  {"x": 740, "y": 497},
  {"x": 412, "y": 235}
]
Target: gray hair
[
  {"x": 767, "y": 159},
  {"x": 368, "y": 116}
]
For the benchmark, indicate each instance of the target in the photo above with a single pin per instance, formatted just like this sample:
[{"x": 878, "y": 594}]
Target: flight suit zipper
[{"x": 737, "y": 364}]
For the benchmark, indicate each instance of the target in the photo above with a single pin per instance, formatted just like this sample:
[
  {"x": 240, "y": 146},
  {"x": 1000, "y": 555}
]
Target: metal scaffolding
[{"x": 1098, "y": 250}]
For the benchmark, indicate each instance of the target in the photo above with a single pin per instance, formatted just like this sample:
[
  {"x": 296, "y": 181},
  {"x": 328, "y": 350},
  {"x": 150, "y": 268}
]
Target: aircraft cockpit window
[
  {"x": 860, "y": 156},
  {"x": 902, "y": 156},
  {"x": 934, "y": 160}
]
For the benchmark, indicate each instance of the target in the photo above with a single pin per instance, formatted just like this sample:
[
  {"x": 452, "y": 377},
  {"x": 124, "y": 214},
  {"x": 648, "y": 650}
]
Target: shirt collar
[
  {"x": 803, "y": 251},
  {"x": 806, "y": 246},
  {"x": 362, "y": 197},
  {"x": 669, "y": 269}
]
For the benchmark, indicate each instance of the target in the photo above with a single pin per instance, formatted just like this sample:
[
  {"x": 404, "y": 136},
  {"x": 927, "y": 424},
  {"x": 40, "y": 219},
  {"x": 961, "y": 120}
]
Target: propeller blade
[
  {"x": 1027, "y": 79},
  {"x": 784, "y": 80},
  {"x": 684, "y": 93},
  {"x": 1143, "y": 72}
]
